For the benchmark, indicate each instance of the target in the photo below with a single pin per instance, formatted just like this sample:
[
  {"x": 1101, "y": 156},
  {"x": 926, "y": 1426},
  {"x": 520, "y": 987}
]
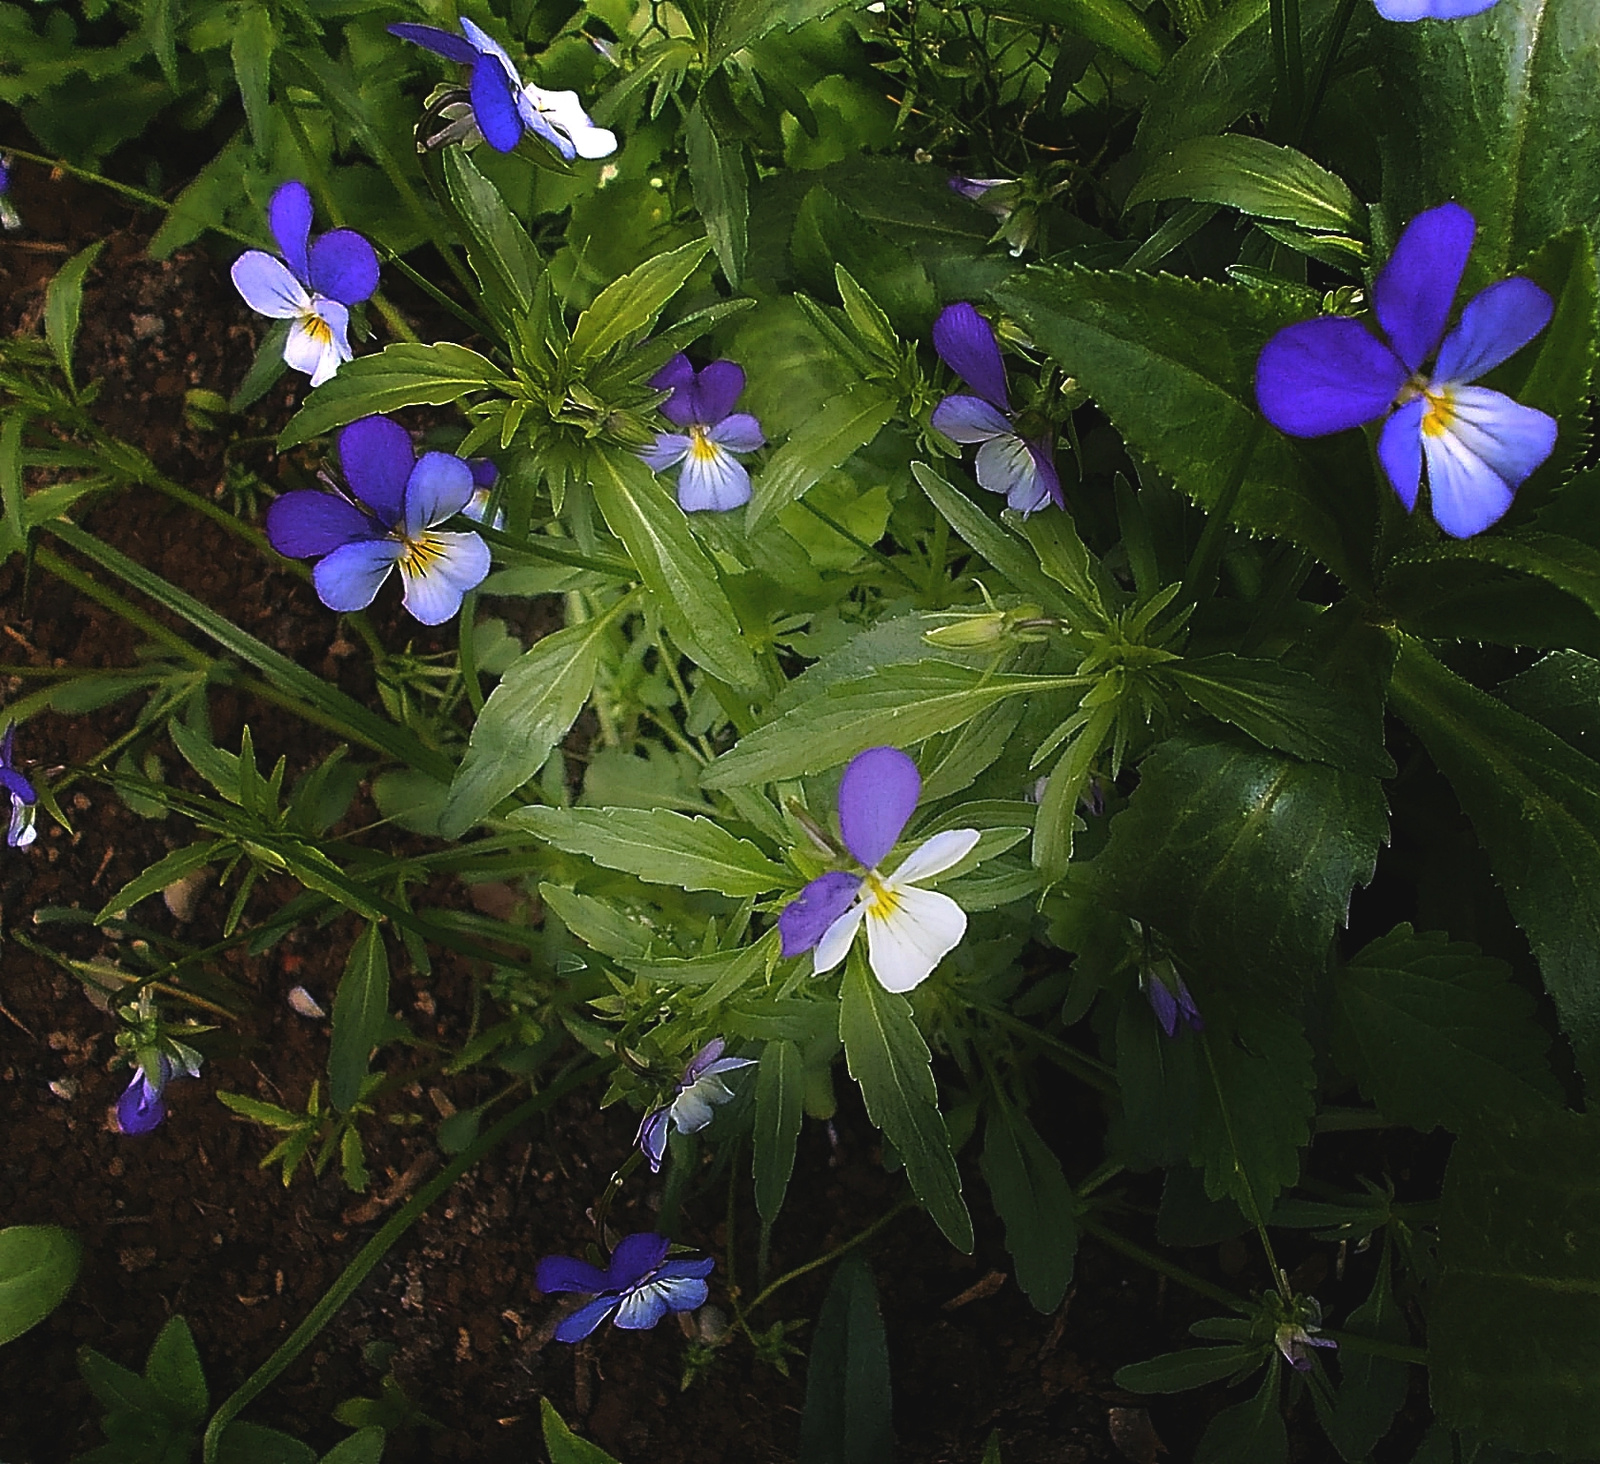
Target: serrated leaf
[
  {"x": 1257, "y": 178},
  {"x": 1114, "y": 24},
  {"x": 847, "y": 1418},
  {"x": 1177, "y": 1372},
  {"x": 1562, "y": 692},
  {"x": 404, "y": 375},
  {"x": 174, "y": 1373},
  {"x": 1438, "y": 1034},
  {"x": 629, "y": 306},
  {"x": 1514, "y": 1331},
  {"x": 1372, "y": 1389},
  {"x": 360, "y": 1013},
  {"x": 845, "y": 424},
  {"x": 780, "y": 1094},
  {"x": 251, "y": 49},
  {"x": 891, "y": 1063},
  {"x": 659, "y": 847},
  {"x": 498, "y": 247},
  {"x": 63, "y": 305},
  {"x": 1033, "y": 1199},
  {"x": 721, "y": 194},
  {"x": 38, "y": 1264}
]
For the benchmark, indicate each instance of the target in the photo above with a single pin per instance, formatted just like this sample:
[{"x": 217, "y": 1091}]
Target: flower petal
[
  {"x": 806, "y": 918},
  {"x": 438, "y": 569},
  {"x": 715, "y": 390},
  {"x": 696, "y": 1105},
  {"x": 535, "y": 121},
  {"x": 970, "y": 419},
  {"x": 439, "y": 487},
  {"x": 1487, "y": 446},
  {"x": 1466, "y": 494},
  {"x": 704, "y": 1058},
  {"x": 377, "y": 458},
  {"x": 966, "y": 344},
  {"x": 440, "y": 42},
  {"x": 344, "y": 267},
  {"x": 568, "y": 1273},
  {"x": 289, "y": 218},
  {"x": 670, "y": 448},
  {"x": 644, "y": 1307},
  {"x": 141, "y": 1107},
  {"x": 486, "y": 45},
  {"x": 583, "y": 1321},
  {"x": 1414, "y": 291},
  {"x": 305, "y": 524},
  {"x": 1163, "y": 1003},
  {"x": 268, "y": 287},
  {"x": 1432, "y": 9},
  {"x": 652, "y": 1137},
  {"x": 677, "y": 376},
  {"x": 712, "y": 478},
  {"x": 1045, "y": 487},
  {"x": 561, "y": 113},
  {"x": 635, "y": 1257},
  {"x": 909, "y": 938},
  {"x": 835, "y": 943},
  {"x": 1011, "y": 466},
  {"x": 934, "y": 856},
  {"x": 351, "y": 576},
  {"x": 673, "y": 1270},
  {"x": 318, "y": 342},
  {"x": 1326, "y": 375},
  {"x": 20, "y": 789},
  {"x": 738, "y": 432},
  {"x": 1497, "y": 323},
  {"x": 494, "y": 104},
  {"x": 1400, "y": 450},
  {"x": 877, "y": 796},
  {"x": 485, "y": 473}
]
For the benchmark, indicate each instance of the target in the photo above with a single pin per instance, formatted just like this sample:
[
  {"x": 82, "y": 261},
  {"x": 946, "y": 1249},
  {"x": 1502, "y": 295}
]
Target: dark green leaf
[
  {"x": 629, "y": 306},
  {"x": 1562, "y": 692},
  {"x": 1156, "y": 1079},
  {"x": 1255, "y": 177},
  {"x": 360, "y": 1012},
  {"x": 1248, "y": 1433},
  {"x": 63, "y": 305},
  {"x": 251, "y": 1443},
  {"x": 1193, "y": 1367},
  {"x": 565, "y": 1446},
  {"x": 780, "y": 1093},
  {"x": 174, "y": 1373},
  {"x": 38, "y": 1264},
  {"x": 828, "y": 233},
  {"x": 119, "y": 1389},
  {"x": 1114, "y": 24},
  {"x": 847, "y": 1414},
  {"x": 716, "y": 173},
  {"x": 821, "y": 443},
  {"x": 363, "y": 1447},
  {"x": 160, "y": 874},
  {"x": 253, "y": 41},
  {"x": 498, "y": 247},
  {"x": 1033, "y": 1199},
  {"x": 1372, "y": 1389}
]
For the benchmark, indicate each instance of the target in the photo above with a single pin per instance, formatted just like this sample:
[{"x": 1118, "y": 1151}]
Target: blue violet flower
[
  {"x": 1332, "y": 373},
  {"x": 389, "y": 519},
  {"x": 484, "y": 476},
  {"x": 143, "y": 1105},
  {"x": 702, "y": 404},
  {"x": 699, "y": 1092},
  {"x": 640, "y": 1286},
  {"x": 1023, "y": 468},
  {"x": 1169, "y": 998},
  {"x": 20, "y": 831},
  {"x": 1432, "y": 9},
  {"x": 314, "y": 284},
  {"x": 9, "y": 217}
]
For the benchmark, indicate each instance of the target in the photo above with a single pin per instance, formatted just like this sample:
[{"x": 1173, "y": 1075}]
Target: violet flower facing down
[
  {"x": 313, "y": 285},
  {"x": 699, "y": 1093},
  {"x": 1296, "y": 1334},
  {"x": 9, "y": 217},
  {"x": 1432, "y": 9},
  {"x": 20, "y": 831},
  {"x": 390, "y": 522},
  {"x": 639, "y": 1287},
  {"x": 702, "y": 404},
  {"x": 143, "y": 1105},
  {"x": 1169, "y": 998},
  {"x": 1023, "y": 468},
  {"x": 1332, "y": 373},
  {"x": 909, "y": 930},
  {"x": 484, "y": 476},
  {"x": 501, "y": 107}
]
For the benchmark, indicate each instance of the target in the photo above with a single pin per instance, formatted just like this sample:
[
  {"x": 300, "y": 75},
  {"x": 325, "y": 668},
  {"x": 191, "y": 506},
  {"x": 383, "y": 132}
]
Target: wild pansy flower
[
  {"x": 1332, "y": 373},
  {"x": 1004, "y": 198},
  {"x": 699, "y": 1092},
  {"x": 484, "y": 476},
  {"x": 313, "y": 285},
  {"x": 9, "y": 217},
  {"x": 1297, "y": 1333},
  {"x": 1432, "y": 9},
  {"x": 158, "y": 1056},
  {"x": 1023, "y": 468},
  {"x": 1169, "y": 998},
  {"x": 390, "y": 521},
  {"x": 143, "y": 1105},
  {"x": 640, "y": 1286},
  {"x": 20, "y": 831},
  {"x": 501, "y": 107},
  {"x": 702, "y": 404},
  {"x": 909, "y": 930}
]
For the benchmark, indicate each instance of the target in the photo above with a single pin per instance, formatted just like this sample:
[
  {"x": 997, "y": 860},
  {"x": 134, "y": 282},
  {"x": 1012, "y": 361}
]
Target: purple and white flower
[
  {"x": 20, "y": 831},
  {"x": 1332, "y": 373},
  {"x": 693, "y": 1103},
  {"x": 1296, "y": 1334},
  {"x": 1169, "y": 998},
  {"x": 143, "y": 1104},
  {"x": 388, "y": 521},
  {"x": 1023, "y": 468},
  {"x": 484, "y": 476},
  {"x": 313, "y": 284},
  {"x": 909, "y": 929},
  {"x": 501, "y": 106},
  {"x": 1432, "y": 9},
  {"x": 638, "y": 1288},
  {"x": 702, "y": 405},
  {"x": 9, "y": 217}
]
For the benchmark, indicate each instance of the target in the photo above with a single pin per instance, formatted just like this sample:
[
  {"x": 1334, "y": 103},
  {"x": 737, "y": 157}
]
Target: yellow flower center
[
  {"x": 701, "y": 448},
  {"x": 317, "y": 328},
  {"x": 420, "y": 555},
  {"x": 1440, "y": 414},
  {"x": 882, "y": 901}
]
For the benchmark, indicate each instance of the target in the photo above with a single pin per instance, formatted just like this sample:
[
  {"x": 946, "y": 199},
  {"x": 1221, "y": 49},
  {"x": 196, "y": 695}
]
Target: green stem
[
  {"x": 833, "y": 1255},
  {"x": 374, "y": 1251},
  {"x": 1160, "y": 1265},
  {"x": 468, "y": 652},
  {"x": 1089, "y": 1069},
  {"x": 1202, "y": 569},
  {"x": 860, "y": 544},
  {"x": 1319, "y": 85},
  {"x": 112, "y": 601}
]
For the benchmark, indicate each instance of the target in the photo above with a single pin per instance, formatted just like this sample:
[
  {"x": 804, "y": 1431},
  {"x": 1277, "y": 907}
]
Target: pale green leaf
[
  {"x": 360, "y": 1013},
  {"x": 1257, "y": 178},
  {"x": 38, "y": 1264}
]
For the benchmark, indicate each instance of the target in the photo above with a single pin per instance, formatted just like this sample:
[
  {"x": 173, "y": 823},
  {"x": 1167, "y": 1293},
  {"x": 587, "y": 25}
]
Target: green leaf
[
  {"x": 659, "y": 846},
  {"x": 63, "y": 306},
  {"x": 251, "y": 1443},
  {"x": 1286, "y": 710},
  {"x": 889, "y": 1060},
  {"x": 1172, "y": 362},
  {"x": 1255, "y": 177},
  {"x": 527, "y": 714},
  {"x": 1562, "y": 692},
  {"x": 1496, "y": 113},
  {"x": 597, "y": 923},
  {"x": 1514, "y": 1331},
  {"x": 1032, "y": 1197},
  {"x": 1372, "y": 1389},
  {"x": 848, "y": 1402},
  {"x": 1256, "y": 1097},
  {"x": 1248, "y": 1433},
  {"x": 404, "y": 375},
  {"x": 629, "y": 306},
  {"x": 1244, "y": 858},
  {"x": 173, "y": 1371},
  {"x": 1439, "y": 1035},
  {"x": 156, "y": 878},
  {"x": 1114, "y": 24},
  {"x": 15, "y": 525},
  {"x": 119, "y": 1389},
  {"x": 565, "y": 1446},
  {"x": 780, "y": 1094},
  {"x": 677, "y": 571},
  {"x": 161, "y": 21},
  {"x": 1535, "y": 805},
  {"x": 1178, "y": 1372},
  {"x": 360, "y": 1013},
  {"x": 498, "y": 247},
  {"x": 1157, "y": 1079},
  {"x": 716, "y": 173},
  {"x": 253, "y": 42},
  {"x": 38, "y": 1264},
  {"x": 824, "y": 441},
  {"x": 365, "y": 1446}
]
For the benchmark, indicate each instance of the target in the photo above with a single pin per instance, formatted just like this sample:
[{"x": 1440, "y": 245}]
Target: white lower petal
[
  {"x": 319, "y": 341},
  {"x": 934, "y": 856},
  {"x": 711, "y": 477},
  {"x": 1511, "y": 438},
  {"x": 438, "y": 569},
  {"x": 835, "y": 943},
  {"x": 909, "y": 931}
]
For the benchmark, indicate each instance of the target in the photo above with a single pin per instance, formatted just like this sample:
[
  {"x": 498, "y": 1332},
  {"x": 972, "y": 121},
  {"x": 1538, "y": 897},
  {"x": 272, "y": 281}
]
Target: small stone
[
  {"x": 182, "y": 895},
  {"x": 65, "y": 1089},
  {"x": 303, "y": 1002}
]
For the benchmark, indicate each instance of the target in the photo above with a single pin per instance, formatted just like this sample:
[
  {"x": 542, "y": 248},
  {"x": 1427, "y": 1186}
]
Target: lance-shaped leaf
[
  {"x": 360, "y": 1009},
  {"x": 1032, "y": 1196},
  {"x": 498, "y": 247},
  {"x": 63, "y": 305},
  {"x": 847, "y": 1419},
  {"x": 629, "y": 306},
  {"x": 780, "y": 1104},
  {"x": 821, "y": 443},
  {"x": 721, "y": 194},
  {"x": 1114, "y": 24},
  {"x": 1255, "y": 177},
  {"x": 1372, "y": 1389}
]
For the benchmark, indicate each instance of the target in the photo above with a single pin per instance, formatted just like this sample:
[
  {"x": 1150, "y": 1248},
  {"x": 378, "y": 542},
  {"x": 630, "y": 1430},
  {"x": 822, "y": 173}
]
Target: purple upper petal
[
  {"x": 439, "y": 486},
  {"x": 568, "y": 1273},
  {"x": 970, "y": 419},
  {"x": 344, "y": 267},
  {"x": 8, "y": 742},
  {"x": 289, "y": 218},
  {"x": 440, "y": 42},
  {"x": 1326, "y": 375},
  {"x": 715, "y": 390},
  {"x": 1414, "y": 291},
  {"x": 806, "y": 917},
  {"x": 738, "y": 432},
  {"x": 1162, "y": 1003},
  {"x": 677, "y": 376},
  {"x": 142, "y": 1106},
  {"x": 966, "y": 344},
  {"x": 635, "y": 1257},
  {"x": 306, "y": 524},
  {"x": 20, "y": 789},
  {"x": 377, "y": 458},
  {"x": 484, "y": 472},
  {"x": 702, "y": 1060},
  {"x": 1432, "y": 9},
  {"x": 877, "y": 796},
  {"x": 1497, "y": 323},
  {"x": 583, "y": 1321},
  {"x": 494, "y": 104}
]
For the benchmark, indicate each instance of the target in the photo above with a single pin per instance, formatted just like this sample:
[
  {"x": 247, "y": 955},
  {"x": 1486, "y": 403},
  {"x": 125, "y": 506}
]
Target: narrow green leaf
[
  {"x": 365, "y": 1446},
  {"x": 847, "y": 1418},
  {"x": 161, "y": 21},
  {"x": 1114, "y": 24},
  {"x": 38, "y": 1264},
  {"x": 889, "y": 1060},
  {"x": 1372, "y": 1389},
  {"x": 597, "y": 923},
  {"x": 1255, "y": 177},
  {"x": 1177, "y": 1372},
  {"x": 156, "y": 878},
  {"x": 119, "y": 1389},
  {"x": 254, "y": 1443},
  {"x": 360, "y": 1012},
  {"x": 565, "y": 1446},
  {"x": 15, "y": 526},
  {"x": 63, "y": 306},
  {"x": 629, "y": 306},
  {"x": 1032, "y": 1197},
  {"x": 845, "y": 424},
  {"x": 498, "y": 247},
  {"x": 780, "y": 1101},
  {"x": 1248, "y": 1433},
  {"x": 252, "y": 46},
  {"x": 716, "y": 173},
  {"x": 174, "y": 1373}
]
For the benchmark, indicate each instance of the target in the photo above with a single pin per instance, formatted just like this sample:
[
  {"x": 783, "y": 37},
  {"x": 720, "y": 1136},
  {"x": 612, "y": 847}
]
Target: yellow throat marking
[
  {"x": 317, "y": 328},
  {"x": 701, "y": 448},
  {"x": 882, "y": 900},
  {"x": 1440, "y": 413},
  {"x": 420, "y": 555}
]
